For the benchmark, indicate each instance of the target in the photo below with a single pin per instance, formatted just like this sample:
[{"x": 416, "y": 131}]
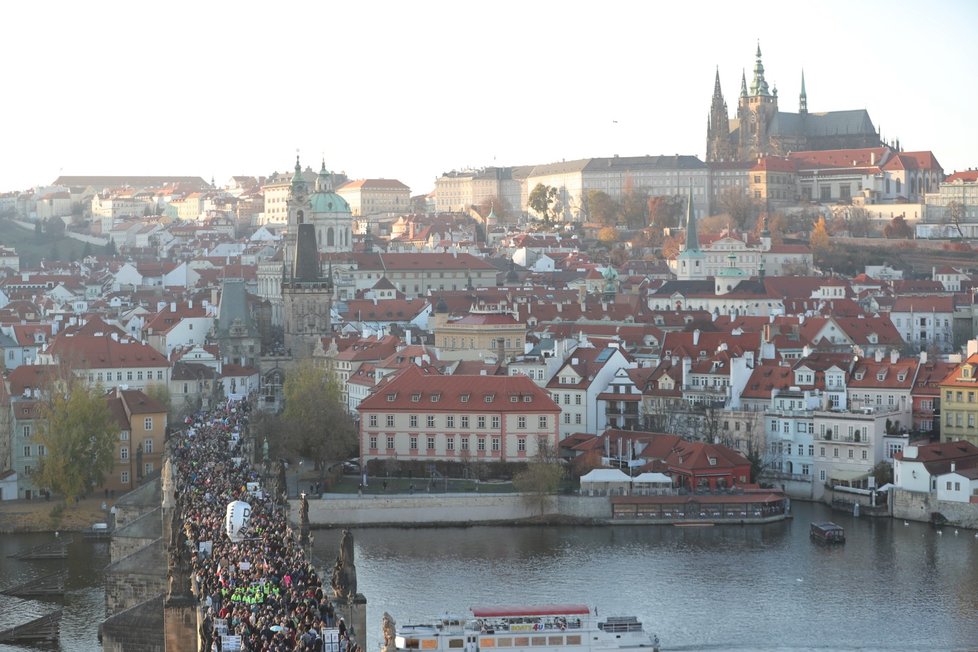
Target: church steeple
[
  {"x": 743, "y": 83},
  {"x": 803, "y": 97},
  {"x": 718, "y": 145},
  {"x": 692, "y": 244},
  {"x": 324, "y": 182},
  {"x": 759, "y": 84}
]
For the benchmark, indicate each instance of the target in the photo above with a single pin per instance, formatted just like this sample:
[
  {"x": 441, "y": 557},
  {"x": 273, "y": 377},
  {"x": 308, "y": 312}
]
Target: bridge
[{"x": 208, "y": 550}]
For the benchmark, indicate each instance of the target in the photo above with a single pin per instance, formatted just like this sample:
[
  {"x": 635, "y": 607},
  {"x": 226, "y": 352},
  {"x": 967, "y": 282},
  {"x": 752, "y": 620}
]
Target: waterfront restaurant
[{"x": 751, "y": 506}]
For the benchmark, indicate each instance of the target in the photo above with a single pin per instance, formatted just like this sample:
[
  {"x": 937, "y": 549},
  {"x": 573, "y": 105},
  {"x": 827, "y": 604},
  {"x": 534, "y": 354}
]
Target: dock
[
  {"x": 52, "y": 584},
  {"x": 46, "y": 629},
  {"x": 56, "y": 550}
]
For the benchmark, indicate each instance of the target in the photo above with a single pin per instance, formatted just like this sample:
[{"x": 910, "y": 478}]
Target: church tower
[
  {"x": 718, "y": 145},
  {"x": 802, "y": 97},
  {"x": 691, "y": 261},
  {"x": 298, "y": 209},
  {"x": 307, "y": 296},
  {"x": 756, "y": 111}
]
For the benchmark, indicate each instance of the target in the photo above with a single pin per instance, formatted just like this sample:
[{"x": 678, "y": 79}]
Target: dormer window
[
  {"x": 435, "y": 398},
  {"x": 966, "y": 371},
  {"x": 713, "y": 461},
  {"x": 514, "y": 399},
  {"x": 391, "y": 397},
  {"x": 488, "y": 398},
  {"x": 416, "y": 398},
  {"x": 527, "y": 398},
  {"x": 464, "y": 398}
]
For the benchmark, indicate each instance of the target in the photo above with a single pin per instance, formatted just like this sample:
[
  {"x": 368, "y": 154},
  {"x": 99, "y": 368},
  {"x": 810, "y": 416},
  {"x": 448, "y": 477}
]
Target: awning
[{"x": 848, "y": 475}]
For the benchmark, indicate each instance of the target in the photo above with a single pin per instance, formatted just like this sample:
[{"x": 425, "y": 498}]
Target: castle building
[{"x": 760, "y": 128}]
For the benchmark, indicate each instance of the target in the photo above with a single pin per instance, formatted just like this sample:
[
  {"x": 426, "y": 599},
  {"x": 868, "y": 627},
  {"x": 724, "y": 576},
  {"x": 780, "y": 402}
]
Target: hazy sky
[{"x": 409, "y": 90}]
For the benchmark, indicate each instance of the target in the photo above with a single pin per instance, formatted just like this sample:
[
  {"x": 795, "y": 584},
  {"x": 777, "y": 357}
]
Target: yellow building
[
  {"x": 376, "y": 196},
  {"x": 959, "y": 403},
  {"x": 141, "y": 422},
  {"x": 482, "y": 331}
]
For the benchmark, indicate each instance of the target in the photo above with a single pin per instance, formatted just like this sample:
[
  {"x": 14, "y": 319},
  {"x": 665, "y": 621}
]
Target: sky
[{"x": 409, "y": 90}]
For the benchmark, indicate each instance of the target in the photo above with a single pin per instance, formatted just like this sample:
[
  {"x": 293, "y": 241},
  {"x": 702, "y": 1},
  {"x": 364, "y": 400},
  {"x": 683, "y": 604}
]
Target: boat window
[
  {"x": 574, "y": 640},
  {"x": 538, "y": 640},
  {"x": 487, "y": 642},
  {"x": 412, "y": 644},
  {"x": 521, "y": 641},
  {"x": 555, "y": 640},
  {"x": 456, "y": 643},
  {"x": 504, "y": 642},
  {"x": 429, "y": 644}
]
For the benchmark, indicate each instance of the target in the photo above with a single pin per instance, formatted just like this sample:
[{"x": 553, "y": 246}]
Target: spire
[
  {"x": 324, "y": 182},
  {"x": 759, "y": 85},
  {"x": 716, "y": 85},
  {"x": 743, "y": 83},
  {"x": 692, "y": 237},
  {"x": 803, "y": 98}
]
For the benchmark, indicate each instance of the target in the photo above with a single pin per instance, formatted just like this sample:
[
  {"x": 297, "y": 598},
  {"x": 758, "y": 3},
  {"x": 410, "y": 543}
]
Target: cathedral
[{"x": 760, "y": 128}]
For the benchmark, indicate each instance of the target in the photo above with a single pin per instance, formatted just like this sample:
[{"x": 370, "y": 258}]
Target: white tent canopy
[
  {"x": 652, "y": 478},
  {"x": 605, "y": 475}
]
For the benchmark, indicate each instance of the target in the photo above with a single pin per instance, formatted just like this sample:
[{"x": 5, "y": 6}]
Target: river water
[{"x": 890, "y": 587}]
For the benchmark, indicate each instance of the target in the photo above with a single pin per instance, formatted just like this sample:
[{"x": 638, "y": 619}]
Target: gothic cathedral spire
[
  {"x": 803, "y": 97},
  {"x": 759, "y": 84},
  {"x": 718, "y": 145}
]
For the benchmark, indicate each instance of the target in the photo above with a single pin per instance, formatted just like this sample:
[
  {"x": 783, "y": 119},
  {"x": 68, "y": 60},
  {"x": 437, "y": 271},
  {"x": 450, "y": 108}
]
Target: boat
[
  {"x": 521, "y": 629},
  {"x": 98, "y": 531},
  {"x": 828, "y": 532}
]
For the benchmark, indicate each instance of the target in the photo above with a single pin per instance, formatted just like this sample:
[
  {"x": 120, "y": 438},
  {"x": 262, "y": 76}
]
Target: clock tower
[{"x": 298, "y": 210}]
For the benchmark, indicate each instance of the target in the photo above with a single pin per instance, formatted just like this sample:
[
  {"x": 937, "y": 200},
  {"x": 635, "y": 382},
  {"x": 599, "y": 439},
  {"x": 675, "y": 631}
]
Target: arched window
[
  {"x": 299, "y": 216},
  {"x": 329, "y": 237}
]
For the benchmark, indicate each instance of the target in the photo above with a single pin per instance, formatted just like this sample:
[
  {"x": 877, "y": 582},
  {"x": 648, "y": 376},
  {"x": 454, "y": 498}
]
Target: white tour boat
[{"x": 544, "y": 628}]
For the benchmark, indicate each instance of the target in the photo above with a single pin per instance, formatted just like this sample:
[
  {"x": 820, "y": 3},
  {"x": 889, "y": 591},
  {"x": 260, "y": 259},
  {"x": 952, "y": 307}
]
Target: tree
[
  {"x": 541, "y": 477},
  {"x": 543, "y": 200},
  {"x": 955, "y": 215},
  {"x": 110, "y": 249},
  {"x": 602, "y": 208},
  {"x": 78, "y": 433},
  {"x": 714, "y": 224},
  {"x": 741, "y": 209},
  {"x": 897, "y": 228},
  {"x": 161, "y": 393},
  {"x": 665, "y": 210},
  {"x": 493, "y": 204},
  {"x": 819, "y": 238},
  {"x": 54, "y": 227},
  {"x": 318, "y": 426},
  {"x": 608, "y": 235},
  {"x": 634, "y": 205}
]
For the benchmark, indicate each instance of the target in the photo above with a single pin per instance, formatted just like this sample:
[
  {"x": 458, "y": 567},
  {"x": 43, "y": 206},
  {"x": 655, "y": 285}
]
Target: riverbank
[{"x": 45, "y": 516}]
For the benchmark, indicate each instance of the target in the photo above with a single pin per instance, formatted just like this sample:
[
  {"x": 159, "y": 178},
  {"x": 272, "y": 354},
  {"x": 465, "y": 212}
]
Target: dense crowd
[{"x": 261, "y": 588}]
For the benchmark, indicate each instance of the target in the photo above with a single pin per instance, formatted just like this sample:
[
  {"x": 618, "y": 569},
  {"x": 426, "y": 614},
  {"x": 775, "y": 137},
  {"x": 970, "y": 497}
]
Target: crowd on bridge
[{"x": 262, "y": 587}]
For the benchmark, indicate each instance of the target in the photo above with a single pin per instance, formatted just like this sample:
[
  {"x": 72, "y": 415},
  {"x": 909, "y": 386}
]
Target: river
[{"x": 890, "y": 587}]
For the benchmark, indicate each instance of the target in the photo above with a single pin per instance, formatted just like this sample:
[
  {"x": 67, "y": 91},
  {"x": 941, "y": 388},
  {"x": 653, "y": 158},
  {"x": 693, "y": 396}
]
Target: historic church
[{"x": 760, "y": 128}]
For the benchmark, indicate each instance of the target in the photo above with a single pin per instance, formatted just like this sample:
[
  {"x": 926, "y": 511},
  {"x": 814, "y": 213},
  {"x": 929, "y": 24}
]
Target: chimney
[
  {"x": 173, "y": 306},
  {"x": 696, "y": 337},
  {"x": 954, "y": 467},
  {"x": 407, "y": 336},
  {"x": 923, "y": 357},
  {"x": 894, "y": 356},
  {"x": 501, "y": 347},
  {"x": 878, "y": 356},
  {"x": 190, "y": 304},
  {"x": 687, "y": 367}
]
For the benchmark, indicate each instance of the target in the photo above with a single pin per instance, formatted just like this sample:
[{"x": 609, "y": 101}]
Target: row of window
[
  {"x": 98, "y": 377},
  {"x": 463, "y": 420},
  {"x": 779, "y": 448},
  {"x": 956, "y": 419},
  {"x": 463, "y": 442}
]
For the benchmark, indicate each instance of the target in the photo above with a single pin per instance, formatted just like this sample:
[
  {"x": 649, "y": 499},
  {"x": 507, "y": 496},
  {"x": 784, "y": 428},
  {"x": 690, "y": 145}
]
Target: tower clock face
[{"x": 299, "y": 193}]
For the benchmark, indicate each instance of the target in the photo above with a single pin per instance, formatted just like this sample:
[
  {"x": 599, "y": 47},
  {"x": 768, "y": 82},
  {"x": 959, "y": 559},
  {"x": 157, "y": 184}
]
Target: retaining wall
[
  {"x": 918, "y": 506},
  {"x": 422, "y": 509}
]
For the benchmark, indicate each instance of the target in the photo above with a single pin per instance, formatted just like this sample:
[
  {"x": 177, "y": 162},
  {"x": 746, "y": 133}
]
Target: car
[{"x": 351, "y": 467}]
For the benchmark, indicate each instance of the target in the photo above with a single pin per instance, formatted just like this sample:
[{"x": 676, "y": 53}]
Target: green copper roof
[{"x": 328, "y": 202}]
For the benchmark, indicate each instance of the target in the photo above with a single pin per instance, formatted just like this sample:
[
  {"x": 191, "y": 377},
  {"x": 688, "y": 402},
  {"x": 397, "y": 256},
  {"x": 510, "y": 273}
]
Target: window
[
  {"x": 521, "y": 444},
  {"x": 373, "y": 442},
  {"x": 566, "y": 399},
  {"x": 128, "y": 375},
  {"x": 124, "y": 477},
  {"x": 821, "y": 475},
  {"x": 488, "y": 398},
  {"x": 390, "y": 442},
  {"x": 821, "y": 451},
  {"x": 465, "y": 420},
  {"x": 577, "y": 419},
  {"x": 450, "y": 421},
  {"x": 449, "y": 443},
  {"x": 496, "y": 443},
  {"x": 521, "y": 422},
  {"x": 542, "y": 422},
  {"x": 414, "y": 442},
  {"x": 567, "y": 417},
  {"x": 413, "y": 421},
  {"x": 480, "y": 422},
  {"x": 124, "y": 453},
  {"x": 373, "y": 420},
  {"x": 835, "y": 452},
  {"x": 482, "y": 443},
  {"x": 864, "y": 454},
  {"x": 27, "y": 432},
  {"x": 27, "y": 451},
  {"x": 495, "y": 422},
  {"x": 577, "y": 399},
  {"x": 811, "y": 450},
  {"x": 465, "y": 443},
  {"x": 431, "y": 421},
  {"x": 431, "y": 443},
  {"x": 148, "y": 423},
  {"x": 148, "y": 446},
  {"x": 850, "y": 453},
  {"x": 390, "y": 421}
]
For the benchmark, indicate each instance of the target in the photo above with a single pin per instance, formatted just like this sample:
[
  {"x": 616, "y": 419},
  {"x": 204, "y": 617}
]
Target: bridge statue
[{"x": 344, "y": 580}]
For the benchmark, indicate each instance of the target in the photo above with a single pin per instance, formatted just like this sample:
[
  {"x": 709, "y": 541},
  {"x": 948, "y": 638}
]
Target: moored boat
[
  {"x": 572, "y": 628},
  {"x": 828, "y": 532}
]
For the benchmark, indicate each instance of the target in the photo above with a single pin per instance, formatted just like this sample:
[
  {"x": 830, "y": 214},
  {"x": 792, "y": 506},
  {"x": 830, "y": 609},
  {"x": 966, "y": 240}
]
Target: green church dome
[{"x": 328, "y": 202}]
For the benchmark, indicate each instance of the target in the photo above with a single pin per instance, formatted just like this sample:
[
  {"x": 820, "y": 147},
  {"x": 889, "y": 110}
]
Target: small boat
[
  {"x": 572, "y": 628},
  {"x": 98, "y": 531},
  {"x": 828, "y": 532}
]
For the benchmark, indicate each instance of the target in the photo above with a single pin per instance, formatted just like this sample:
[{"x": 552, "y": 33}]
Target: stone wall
[
  {"x": 447, "y": 509},
  {"x": 122, "y": 547},
  {"x": 139, "y": 629},
  {"x": 918, "y": 506}
]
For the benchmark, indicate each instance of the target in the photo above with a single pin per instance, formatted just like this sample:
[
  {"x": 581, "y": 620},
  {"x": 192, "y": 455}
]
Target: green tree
[
  {"x": 318, "y": 426},
  {"x": 543, "y": 201},
  {"x": 79, "y": 435},
  {"x": 54, "y": 227},
  {"x": 110, "y": 249},
  {"x": 602, "y": 208},
  {"x": 541, "y": 478}
]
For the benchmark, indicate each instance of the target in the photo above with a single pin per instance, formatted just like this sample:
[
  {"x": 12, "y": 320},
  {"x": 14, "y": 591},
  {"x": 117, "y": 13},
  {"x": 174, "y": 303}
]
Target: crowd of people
[{"x": 261, "y": 588}]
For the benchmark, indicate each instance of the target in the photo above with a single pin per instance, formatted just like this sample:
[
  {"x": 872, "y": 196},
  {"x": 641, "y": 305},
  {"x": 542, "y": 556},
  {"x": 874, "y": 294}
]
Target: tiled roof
[{"x": 411, "y": 389}]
